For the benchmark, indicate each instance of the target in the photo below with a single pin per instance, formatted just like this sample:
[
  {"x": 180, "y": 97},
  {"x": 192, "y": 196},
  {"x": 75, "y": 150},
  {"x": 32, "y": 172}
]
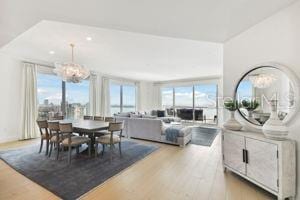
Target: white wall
[
  {"x": 10, "y": 100},
  {"x": 274, "y": 39}
]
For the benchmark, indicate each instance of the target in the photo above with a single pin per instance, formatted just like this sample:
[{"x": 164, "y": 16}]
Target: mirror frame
[{"x": 294, "y": 82}]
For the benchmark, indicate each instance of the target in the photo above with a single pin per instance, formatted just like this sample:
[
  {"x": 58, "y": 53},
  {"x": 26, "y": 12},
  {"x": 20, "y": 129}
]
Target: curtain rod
[{"x": 43, "y": 65}]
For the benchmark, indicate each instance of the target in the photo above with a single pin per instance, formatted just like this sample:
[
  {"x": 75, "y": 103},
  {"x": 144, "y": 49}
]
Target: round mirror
[{"x": 261, "y": 85}]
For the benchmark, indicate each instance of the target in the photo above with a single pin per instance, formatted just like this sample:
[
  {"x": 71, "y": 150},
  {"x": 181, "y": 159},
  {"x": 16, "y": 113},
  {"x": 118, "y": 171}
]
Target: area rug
[
  {"x": 204, "y": 136},
  {"x": 84, "y": 173}
]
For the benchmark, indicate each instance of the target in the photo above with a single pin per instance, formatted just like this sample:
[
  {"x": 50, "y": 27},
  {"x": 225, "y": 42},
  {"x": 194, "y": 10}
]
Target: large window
[
  {"x": 167, "y": 97},
  {"x": 184, "y": 97},
  {"x": 58, "y": 98},
  {"x": 77, "y": 99},
  {"x": 206, "y": 100},
  {"x": 49, "y": 92},
  {"x": 195, "y": 102},
  {"x": 122, "y": 98}
]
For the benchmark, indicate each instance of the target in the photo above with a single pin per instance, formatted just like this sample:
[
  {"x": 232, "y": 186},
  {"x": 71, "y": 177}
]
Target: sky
[
  {"x": 205, "y": 96},
  {"x": 245, "y": 90},
  {"x": 128, "y": 94},
  {"x": 49, "y": 87}
]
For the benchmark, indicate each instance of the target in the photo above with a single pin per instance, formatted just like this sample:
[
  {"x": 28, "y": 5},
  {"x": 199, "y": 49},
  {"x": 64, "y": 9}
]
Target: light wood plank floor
[{"x": 194, "y": 172}]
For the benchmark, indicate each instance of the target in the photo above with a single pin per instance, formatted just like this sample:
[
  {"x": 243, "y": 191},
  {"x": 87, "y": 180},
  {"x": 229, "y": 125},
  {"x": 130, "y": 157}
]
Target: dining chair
[
  {"x": 98, "y": 118},
  {"x": 43, "y": 127},
  {"x": 55, "y": 137},
  {"x": 56, "y": 117},
  {"x": 110, "y": 119},
  {"x": 111, "y": 139},
  {"x": 87, "y": 117},
  {"x": 75, "y": 141}
]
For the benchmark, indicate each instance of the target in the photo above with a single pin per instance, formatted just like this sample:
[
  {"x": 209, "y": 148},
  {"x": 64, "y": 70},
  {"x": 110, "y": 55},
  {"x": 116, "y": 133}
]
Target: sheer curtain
[
  {"x": 105, "y": 97},
  {"x": 95, "y": 94},
  {"x": 29, "y": 102}
]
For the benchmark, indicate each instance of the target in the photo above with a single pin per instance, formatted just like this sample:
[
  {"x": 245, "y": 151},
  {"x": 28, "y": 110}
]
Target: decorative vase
[
  {"x": 274, "y": 127},
  {"x": 250, "y": 117},
  {"x": 232, "y": 123}
]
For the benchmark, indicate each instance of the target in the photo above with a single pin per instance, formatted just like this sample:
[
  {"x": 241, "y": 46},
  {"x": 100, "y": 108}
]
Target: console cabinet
[{"x": 270, "y": 164}]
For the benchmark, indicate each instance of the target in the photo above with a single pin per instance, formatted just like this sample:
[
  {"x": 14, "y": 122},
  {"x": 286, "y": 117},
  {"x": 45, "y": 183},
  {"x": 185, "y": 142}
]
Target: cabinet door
[
  {"x": 262, "y": 163},
  {"x": 233, "y": 146}
]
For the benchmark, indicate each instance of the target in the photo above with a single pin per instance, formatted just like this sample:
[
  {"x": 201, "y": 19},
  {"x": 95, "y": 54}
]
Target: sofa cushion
[{"x": 161, "y": 113}]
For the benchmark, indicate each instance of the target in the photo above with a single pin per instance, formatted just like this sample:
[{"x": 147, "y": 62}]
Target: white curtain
[
  {"x": 105, "y": 97},
  {"x": 138, "y": 97},
  {"x": 29, "y": 102},
  {"x": 157, "y": 97},
  {"x": 95, "y": 94}
]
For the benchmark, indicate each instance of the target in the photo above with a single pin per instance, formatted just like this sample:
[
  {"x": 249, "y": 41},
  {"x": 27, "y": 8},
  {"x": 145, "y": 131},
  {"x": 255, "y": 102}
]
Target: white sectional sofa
[{"x": 153, "y": 129}]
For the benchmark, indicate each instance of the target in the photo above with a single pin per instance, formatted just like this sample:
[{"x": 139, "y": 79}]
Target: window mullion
[{"x": 63, "y": 98}]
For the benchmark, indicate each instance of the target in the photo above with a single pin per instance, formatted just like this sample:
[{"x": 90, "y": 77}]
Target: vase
[
  {"x": 232, "y": 123},
  {"x": 250, "y": 117},
  {"x": 274, "y": 128}
]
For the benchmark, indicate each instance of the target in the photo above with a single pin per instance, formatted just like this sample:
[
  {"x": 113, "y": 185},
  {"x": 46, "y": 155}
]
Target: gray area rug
[
  {"x": 204, "y": 136},
  {"x": 85, "y": 173}
]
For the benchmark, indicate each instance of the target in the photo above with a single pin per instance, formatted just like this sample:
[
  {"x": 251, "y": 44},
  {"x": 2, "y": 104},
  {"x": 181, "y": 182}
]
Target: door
[
  {"x": 262, "y": 163},
  {"x": 233, "y": 146}
]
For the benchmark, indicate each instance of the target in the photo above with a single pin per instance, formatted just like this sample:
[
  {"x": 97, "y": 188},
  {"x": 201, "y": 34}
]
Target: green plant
[
  {"x": 232, "y": 105},
  {"x": 250, "y": 105}
]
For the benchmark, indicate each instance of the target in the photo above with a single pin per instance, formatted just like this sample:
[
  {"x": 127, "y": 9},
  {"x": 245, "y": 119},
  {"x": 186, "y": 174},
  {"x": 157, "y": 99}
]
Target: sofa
[{"x": 152, "y": 129}]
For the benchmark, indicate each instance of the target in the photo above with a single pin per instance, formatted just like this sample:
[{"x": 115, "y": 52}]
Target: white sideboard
[{"x": 270, "y": 164}]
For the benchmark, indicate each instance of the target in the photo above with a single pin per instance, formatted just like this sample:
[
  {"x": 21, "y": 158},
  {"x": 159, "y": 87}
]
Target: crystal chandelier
[
  {"x": 262, "y": 80},
  {"x": 70, "y": 71}
]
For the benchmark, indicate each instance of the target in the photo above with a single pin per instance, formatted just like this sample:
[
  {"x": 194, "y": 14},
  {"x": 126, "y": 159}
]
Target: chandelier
[
  {"x": 262, "y": 80},
  {"x": 70, "y": 71}
]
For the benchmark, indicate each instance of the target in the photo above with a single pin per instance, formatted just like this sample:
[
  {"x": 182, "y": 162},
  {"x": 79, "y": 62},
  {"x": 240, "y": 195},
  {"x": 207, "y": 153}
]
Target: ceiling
[
  {"x": 208, "y": 20},
  {"x": 118, "y": 53},
  {"x": 157, "y": 40}
]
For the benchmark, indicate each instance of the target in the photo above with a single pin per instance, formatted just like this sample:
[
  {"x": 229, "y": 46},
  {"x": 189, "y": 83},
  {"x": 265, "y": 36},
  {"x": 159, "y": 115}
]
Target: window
[
  {"x": 115, "y": 98},
  {"x": 77, "y": 99},
  {"x": 184, "y": 97},
  {"x": 167, "y": 97},
  {"x": 128, "y": 98},
  {"x": 122, "y": 98},
  {"x": 49, "y": 93},
  {"x": 206, "y": 100},
  {"x": 195, "y": 102}
]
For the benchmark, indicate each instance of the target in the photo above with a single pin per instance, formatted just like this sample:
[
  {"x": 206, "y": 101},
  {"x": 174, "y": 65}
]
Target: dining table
[{"x": 86, "y": 127}]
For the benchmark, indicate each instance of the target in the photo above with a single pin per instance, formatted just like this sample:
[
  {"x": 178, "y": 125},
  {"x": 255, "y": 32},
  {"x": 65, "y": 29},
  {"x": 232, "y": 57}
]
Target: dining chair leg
[
  {"x": 90, "y": 148},
  {"x": 69, "y": 156},
  {"x": 51, "y": 147},
  {"x": 103, "y": 149},
  {"x": 77, "y": 150},
  {"x": 47, "y": 147},
  {"x": 41, "y": 147},
  {"x": 57, "y": 153},
  {"x": 120, "y": 149},
  {"x": 96, "y": 149},
  {"x": 111, "y": 151}
]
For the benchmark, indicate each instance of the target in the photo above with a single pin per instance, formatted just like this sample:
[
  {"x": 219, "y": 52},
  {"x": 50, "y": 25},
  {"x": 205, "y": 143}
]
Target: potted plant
[
  {"x": 250, "y": 106},
  {"x": 232, "y": 123}
]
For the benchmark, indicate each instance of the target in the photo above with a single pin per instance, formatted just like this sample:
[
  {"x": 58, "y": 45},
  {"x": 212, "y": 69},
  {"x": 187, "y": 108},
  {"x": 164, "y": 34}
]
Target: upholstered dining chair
[
  {"x": 98, "y": 118},
  {"x": 57, "y": 118},
  {"x": 110, "y": 119},
  {"x": 75, "y": 141},
  {"x": 43, "y": 127},
  {"x": 87, "y": 117},
  {"x": 111, "y": 139},
  {"x": 55, "y": 137}
]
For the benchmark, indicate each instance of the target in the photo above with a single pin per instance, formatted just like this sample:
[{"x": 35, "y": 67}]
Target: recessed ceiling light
[
  {"x": 88, "y": 38},
  {"x": 51, "y": 52}
]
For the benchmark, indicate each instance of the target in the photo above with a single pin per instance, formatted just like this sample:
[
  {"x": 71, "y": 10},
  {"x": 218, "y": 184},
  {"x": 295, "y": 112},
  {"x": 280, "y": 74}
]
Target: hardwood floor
[{"x": 194, "y": 172}]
